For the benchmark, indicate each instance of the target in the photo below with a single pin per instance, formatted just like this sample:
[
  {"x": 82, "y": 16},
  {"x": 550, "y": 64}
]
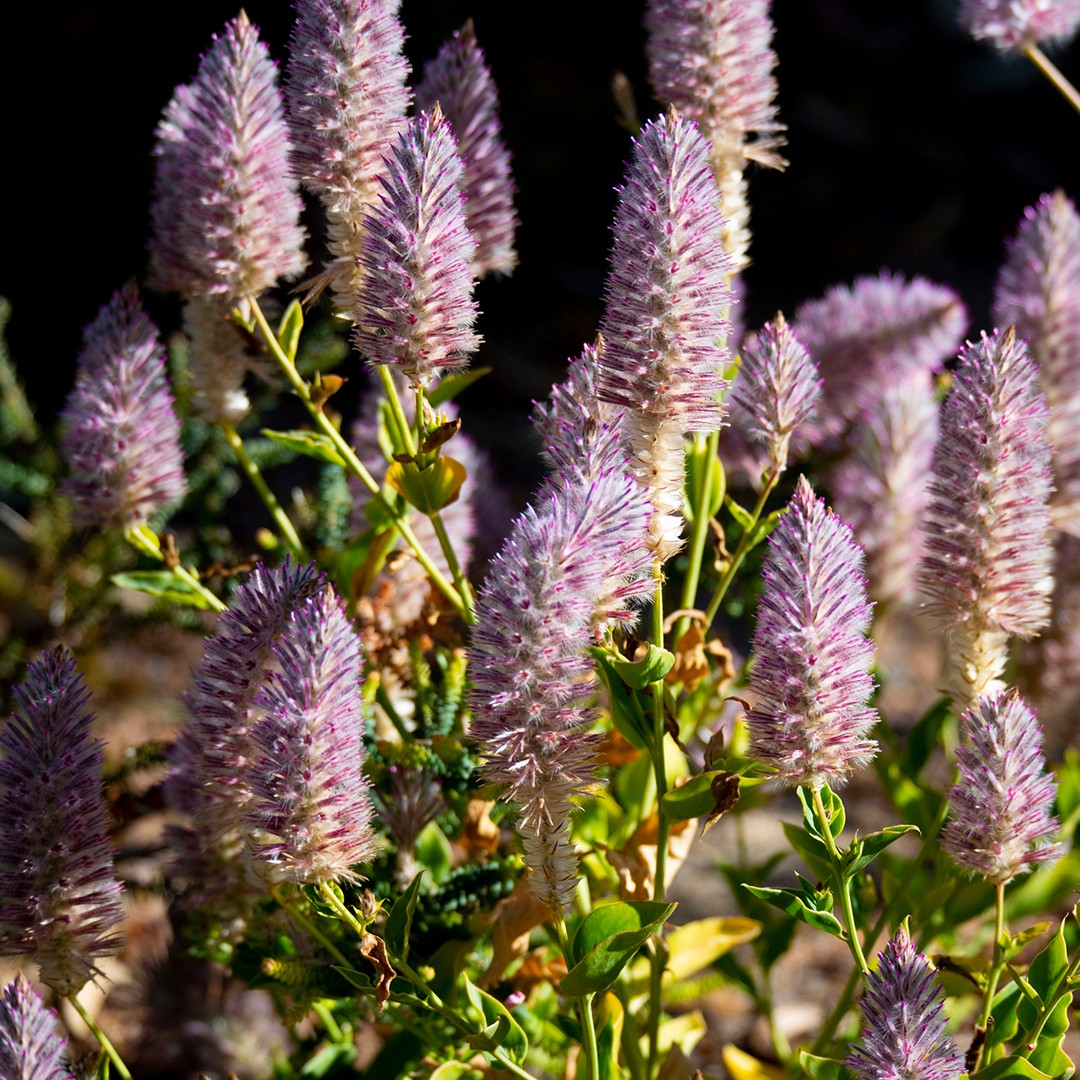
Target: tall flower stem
[
  {"x": 145, "y": 540},
  {"x": 741, "y": 549},
  {"x": 699, "y": 534},
  {"x": 258, "y": 482},
  {"x": 843, "y": 893},
  {"x": 1053, "y": 73},
  {"x": 103, "y": 1040},
  {"x": 584, "y": 1004},
  {"x": 356, "y": 466},
  {"x": 884, "y": 919},
  {"x": 309, "y": 927},
  {"x": 997, "y": 965},
  {"x": 397, "y": 412}
]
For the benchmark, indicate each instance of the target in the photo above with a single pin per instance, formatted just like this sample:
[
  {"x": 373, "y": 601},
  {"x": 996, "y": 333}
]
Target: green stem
[
  {"x": 1061, "y": 990},
  {"x": 1051, "y": 71},
  {"x": 333, "y": 1028},
  {"x": 996, "y": 966},
  {"x": 584, "y": 1004},
  {"x": 843, "y": 893},
  {"x": 402, "y": 432},
  {"x": 741, "y": 549},
  {"x": 347, "y": 454},
  {"x": 143, "y": 539},
  {"x": 461, "y": 583},
  {"x": 884, "y": 919},
  {"x": 310, "y": 928},
  {"x": 258, "y": 482},
  {"x": 698, "y": 537},
  {"x": 103, "y": 1040}
]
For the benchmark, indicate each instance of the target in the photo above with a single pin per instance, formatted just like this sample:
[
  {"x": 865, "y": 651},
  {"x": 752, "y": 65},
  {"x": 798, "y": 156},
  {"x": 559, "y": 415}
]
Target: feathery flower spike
[
  {"x": 59, "y": 897},
  {"x": 778, "y": 386},
  {"x": 868, "y": 335},
  {"x": 987, "y": 567},
  {"x": 460, "y": 82},
  {"x": 121, "y": 437},
  {"x": 310, "y": 808},
  {"x": 665, "y": 318},
  {"x": 903, "y": 1027},
  {"x": 1038, "y": 291},
  {"x": 226, "y": 210},
  {"x": 712, "y": 60},
  {"x": 416, "y": 311},
  {"x": 1018, "y": 24},
  {"x": 811, "y": 678},
  {"x": 881, "y": 485},
  {"x": 532, "y": 677},
  {"x": 1000, "y": 819},
  {"x": 347, "y": 101},
  {"x": 30, "y": 1046}
]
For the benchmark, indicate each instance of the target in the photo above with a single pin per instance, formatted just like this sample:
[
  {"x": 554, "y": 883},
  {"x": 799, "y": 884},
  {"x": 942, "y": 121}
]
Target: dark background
[{"x": 911, "y": 148}]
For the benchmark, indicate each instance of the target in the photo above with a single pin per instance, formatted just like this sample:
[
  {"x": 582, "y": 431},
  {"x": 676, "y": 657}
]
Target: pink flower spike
[
  {"x": 459, "y": 81},
  {"x": 121, "y": 437},
  {"x": 810, "y": 678},
  {"x": 416, "y": 310},
  {"x": 226, "y": 211},
  {"x": 665, "y": 321},
  {"x": 987, "y": 568},
  {"x": 347, "y": 99},
  {"x": 1000, "y": 811},
  {"x": 31, "y": 1047},
  {"x": 1019, "y": 24},
  {"x": 1038, "y": 291}
]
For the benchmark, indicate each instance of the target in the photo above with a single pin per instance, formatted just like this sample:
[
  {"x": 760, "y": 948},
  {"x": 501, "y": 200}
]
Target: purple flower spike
[
  {"x": 416, "y": 311},
  {"x": 811, "y": 673},
  {"x": 871, "y": 334},
  {"x": 532, "y": 677},
  {"x": 30, "y": 1046},
  {"x": 665, "y": 321},
  {"x": 347, "y": 102},
  {"x": 987, "y": 569},
  {"x": 310, "y": 808},
  {"x": 882, "y": 485},
  {"x": 59, "y": 897},
  {"x": 121, "y": 439},
  {"x": 460, "y": 82},
  {"x": 1019, "y": 24},
  {"x": 226, "y": 211},
  {"x": 1038, "y": 291},
  {"x": 778, "y": 386},
  {"x": 903, "y": 1026},
  {"x": 712, "y": 60},
  {"x": 1000, "y": 820}
]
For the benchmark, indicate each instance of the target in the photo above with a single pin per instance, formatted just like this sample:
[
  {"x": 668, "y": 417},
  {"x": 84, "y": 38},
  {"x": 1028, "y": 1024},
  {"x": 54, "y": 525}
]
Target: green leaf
[
  {"x": 1005, "y": 1026},
  {"x": 650, "y": 668},
  {"x": 820, "y": 1068},
  {"x": 1044, "y": 976},
  {"x": 742, "y": 516},
  {"x": 764, "y": 527},
  {"x": 356, "y": 978},
  {"x": 399, "y": 921},
  {"x": 834, "y": 811},
  {"x": 698, "y": 796},
  {"x": 165, "y": 585},
  {"x": 606, "y": 940},
  {"x": 795, "y": 904},
  {"x": 503, "y": 1032},
  {"x": 925, "y": 737},
  {"x": 456, "y": 1070},
  {"x": 430, "y": 489},
  {"x": 1010, "y": 1068},
  {"x": 701, "y": 468},
  {"x": 609, "y": 1024},
  {"x": 451, "y": 385},
  {"x": 292, "y": 323},
  {"x": 811, "y": 849},
  {"x": 309, "y": 443},
  {"x": 433, "y": 851},
  {"x": 864, "y": 850},
  {"x": 327, "y": 1059},
  {"x": 626, "y": 713}
]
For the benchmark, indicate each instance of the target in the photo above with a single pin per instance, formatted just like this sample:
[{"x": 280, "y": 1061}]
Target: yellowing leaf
[
  {"x": 696, "y": 945},
  {"x": 743, "y": 1066}
]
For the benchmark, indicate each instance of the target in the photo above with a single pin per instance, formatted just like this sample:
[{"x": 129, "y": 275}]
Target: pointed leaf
[
  {"x": 1010, "y": 1068},
  {"x": 309, "y": 443},
  {"x": 292, "y": 323},
  {"x": 795, "y": 904},
  {"x": 698, "y": 944},
  {"x": 701, "y": 795},
  {"x": 399, "y": 921},
  {"x": 864, "y": 850},
  {"x": 452, "y": 385},
  {"x": 164, "y": 585},
  {"x": 820, "y": 1068},
  {"x": 649, "y": 669},
  {"x": 502, "y": 1029},
  {"x": 606, "y": 940},
  {"x": 430, "y": 489}
]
